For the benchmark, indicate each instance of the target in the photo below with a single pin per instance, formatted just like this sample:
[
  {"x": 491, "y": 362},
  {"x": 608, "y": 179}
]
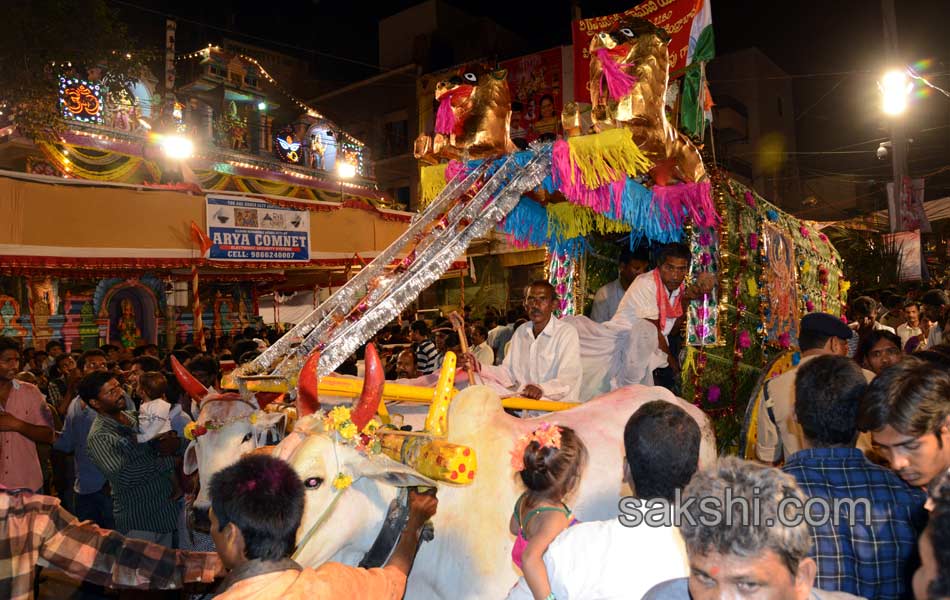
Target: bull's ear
[
  {"x": 190, "y": 462},
  {"x": 385, "y": 469}
]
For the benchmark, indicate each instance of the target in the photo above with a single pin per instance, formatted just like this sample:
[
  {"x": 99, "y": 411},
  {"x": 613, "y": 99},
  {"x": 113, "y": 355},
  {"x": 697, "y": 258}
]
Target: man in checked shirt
[{"x": 34, "y": 527}]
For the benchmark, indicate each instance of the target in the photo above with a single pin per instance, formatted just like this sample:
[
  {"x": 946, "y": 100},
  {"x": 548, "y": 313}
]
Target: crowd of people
[{"x": 854, "y": 440}]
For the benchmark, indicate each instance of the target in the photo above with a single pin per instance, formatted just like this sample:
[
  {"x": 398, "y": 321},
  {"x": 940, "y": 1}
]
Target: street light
[
  {"x": 895, "y": 89},
  {"x": 177, "y": 147},
  {"x": 345, "y": 170}
]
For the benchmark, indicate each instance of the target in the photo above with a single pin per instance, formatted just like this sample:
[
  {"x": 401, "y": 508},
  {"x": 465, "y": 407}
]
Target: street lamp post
[{"x": 345, "y": 170}]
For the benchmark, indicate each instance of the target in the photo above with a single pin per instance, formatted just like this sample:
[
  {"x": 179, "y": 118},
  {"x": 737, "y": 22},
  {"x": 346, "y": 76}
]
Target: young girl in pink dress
[{"x": 550, "y": 461}]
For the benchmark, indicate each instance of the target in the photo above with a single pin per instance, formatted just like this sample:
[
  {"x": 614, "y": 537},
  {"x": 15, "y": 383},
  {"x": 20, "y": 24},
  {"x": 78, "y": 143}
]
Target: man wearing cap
[{"x": 778, "y": 433}]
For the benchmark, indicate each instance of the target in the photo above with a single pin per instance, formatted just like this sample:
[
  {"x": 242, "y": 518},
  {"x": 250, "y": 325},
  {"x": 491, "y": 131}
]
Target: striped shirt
[
  {"x": 140, "y": 477},
  {"x": 427, "y": 357}
]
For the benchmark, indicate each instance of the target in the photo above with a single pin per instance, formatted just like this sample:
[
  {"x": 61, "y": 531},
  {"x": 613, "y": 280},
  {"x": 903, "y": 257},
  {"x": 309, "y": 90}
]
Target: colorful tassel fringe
[
  {"x": 432, "y": 180},
  {"x": 619, "y": 83},
  {"x": 600, "y": 158}
]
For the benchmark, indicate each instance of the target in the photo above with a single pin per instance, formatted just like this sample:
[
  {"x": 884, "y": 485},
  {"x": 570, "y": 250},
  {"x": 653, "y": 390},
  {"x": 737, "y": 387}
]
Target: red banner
[
  {"x": 675, "y": 16},
  {"x": 535, "y": 82}
]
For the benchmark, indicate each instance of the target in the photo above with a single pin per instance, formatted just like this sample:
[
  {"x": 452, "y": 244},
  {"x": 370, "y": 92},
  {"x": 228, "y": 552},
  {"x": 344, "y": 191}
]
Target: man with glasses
[{"x": 140, "y": 474}]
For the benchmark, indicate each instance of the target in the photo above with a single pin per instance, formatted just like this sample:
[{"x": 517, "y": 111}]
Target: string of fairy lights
[{"x": 311, "y": 112}]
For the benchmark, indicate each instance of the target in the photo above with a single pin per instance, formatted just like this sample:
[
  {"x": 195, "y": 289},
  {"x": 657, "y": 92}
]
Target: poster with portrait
[
  {"x": 780, "y": 277},
  {"x": 535, "y": 83}
]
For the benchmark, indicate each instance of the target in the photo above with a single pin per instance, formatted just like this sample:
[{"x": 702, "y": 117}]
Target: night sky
[{"x": 834, "y": 50}]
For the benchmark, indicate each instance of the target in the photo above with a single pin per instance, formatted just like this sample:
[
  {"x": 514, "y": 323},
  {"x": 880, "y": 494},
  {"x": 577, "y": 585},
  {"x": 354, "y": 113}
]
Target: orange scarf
[{"x": 667, "y": 310}]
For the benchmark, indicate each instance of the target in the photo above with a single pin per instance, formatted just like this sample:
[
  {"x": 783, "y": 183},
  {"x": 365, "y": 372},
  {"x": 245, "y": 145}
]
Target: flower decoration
[
  {"x": 338, "y": 424},
  {"x": 745, "y": 340},
  {"x": 772, "y": 214},
  {"x": 705, "y": 239},
  {"x": 785, "y": 340},
  {"x": 705, "y": 259},
  {"x": 844, "y": 285},
  {"x": 339, "y": 415},
  {"x": 190, "y": 430},
  {"x": 750, "y": 199},
  {"x": 809, "y": 306},
  {"x": 754, "y": 241},
  {"x": 803, "y": 230},
  {"x": 348, "y": 431},
  {"x": 822, "y": 237},
  {"x": 546, "y": 435},
  {"x": 342, "y": 481},
  {"x": 253, "y": 418},
  {"x": 796, "y": 358},
  {"x": 713, "y": 394}
]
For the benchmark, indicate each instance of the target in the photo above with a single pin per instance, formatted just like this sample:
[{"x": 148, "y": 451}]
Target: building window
[
  {"x": 250, "y": 80},
  {"x": 395, "y": 138}
]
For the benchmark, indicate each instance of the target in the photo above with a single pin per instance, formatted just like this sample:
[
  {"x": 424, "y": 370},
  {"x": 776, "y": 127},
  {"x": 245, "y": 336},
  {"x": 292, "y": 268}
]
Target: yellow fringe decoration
[
  {"x": 689, "y": 363},
  {"x": 602, "y": 156},
  {"x": 569, "y": 221},
  {"x": 432, "y": 181}
]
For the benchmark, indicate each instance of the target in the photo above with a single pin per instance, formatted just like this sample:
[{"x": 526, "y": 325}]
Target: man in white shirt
[
  {"x": 607, "y": 299},
  {"x": 911, "y": 326},
  {"x": 661, "y": 297},
  {"x": 543, "y": 360},
  {"x": 480, "y": 348},
  {"x": 626, "y": 556}
]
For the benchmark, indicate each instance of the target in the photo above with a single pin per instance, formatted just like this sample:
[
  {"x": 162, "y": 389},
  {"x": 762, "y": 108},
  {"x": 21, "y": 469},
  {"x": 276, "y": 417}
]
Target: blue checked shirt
[{"x": 870, "y": 561}]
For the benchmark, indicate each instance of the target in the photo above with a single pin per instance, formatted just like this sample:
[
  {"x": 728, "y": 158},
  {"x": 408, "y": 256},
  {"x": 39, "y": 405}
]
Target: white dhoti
[{"x": 616, "y": 353}]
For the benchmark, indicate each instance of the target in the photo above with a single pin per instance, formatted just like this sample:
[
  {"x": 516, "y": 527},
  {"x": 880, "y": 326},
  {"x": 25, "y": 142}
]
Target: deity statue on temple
[{"x": 129, "y": 332}]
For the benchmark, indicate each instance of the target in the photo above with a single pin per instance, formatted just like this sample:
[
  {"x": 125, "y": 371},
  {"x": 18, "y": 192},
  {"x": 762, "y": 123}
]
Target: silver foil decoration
[{"x": 380, "y": 291}]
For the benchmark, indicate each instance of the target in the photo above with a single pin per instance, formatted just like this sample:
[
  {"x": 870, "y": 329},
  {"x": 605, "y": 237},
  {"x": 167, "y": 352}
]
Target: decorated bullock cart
[{"x": 632, "y": 173}]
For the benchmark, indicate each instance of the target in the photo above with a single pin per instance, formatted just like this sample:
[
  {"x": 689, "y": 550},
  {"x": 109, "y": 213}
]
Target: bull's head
[
  {"x": 226, "y": 427},
  {"x": 334, "y": 455}
]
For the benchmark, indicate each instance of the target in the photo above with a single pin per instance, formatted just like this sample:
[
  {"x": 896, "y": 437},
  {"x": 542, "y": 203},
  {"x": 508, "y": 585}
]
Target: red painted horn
[
  {"x": 374, "y": 378},
  {"x": 188, "y": 382},
  {"x": 308, "y": 400}
]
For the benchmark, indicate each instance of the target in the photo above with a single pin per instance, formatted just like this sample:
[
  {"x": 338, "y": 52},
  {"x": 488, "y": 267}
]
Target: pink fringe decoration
[
  {"x": 445, "y": 118},
  {"x": 674, "y": 202},
  {"x": 619, "y": 83},
  {"x": 568, "y": 179},
  {"x": 453, "y": 169}
]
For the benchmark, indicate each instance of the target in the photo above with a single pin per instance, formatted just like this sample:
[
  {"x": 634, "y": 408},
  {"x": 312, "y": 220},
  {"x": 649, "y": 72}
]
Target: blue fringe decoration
[
  {"x": 528, "y": 223},
  {"x": 639, "y": 213},
  {"x": 574, "y": 247}
]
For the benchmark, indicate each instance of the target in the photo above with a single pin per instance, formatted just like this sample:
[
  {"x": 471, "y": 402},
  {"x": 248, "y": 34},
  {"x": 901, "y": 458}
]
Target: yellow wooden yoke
[{"x": 427, "y": 452}]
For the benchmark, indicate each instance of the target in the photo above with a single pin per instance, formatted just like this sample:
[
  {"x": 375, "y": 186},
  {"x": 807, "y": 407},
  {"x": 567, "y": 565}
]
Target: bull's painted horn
[
  {"x": 194, "y": 388},
  {"x": 438, "y": 417},
  {"x": 308, "y": 400},
  {"x": 373, "y": 380}
]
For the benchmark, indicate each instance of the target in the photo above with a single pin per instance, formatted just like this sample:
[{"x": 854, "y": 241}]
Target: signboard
[
  {"x": 242, "y": 229},
  {"x": 908, "y": 214},
  {"x": 675, "y": 16},
  {"x": 80, "y": 100},
  {"x": 534, "y": 82},
  {"x": 908, "y": 244}
]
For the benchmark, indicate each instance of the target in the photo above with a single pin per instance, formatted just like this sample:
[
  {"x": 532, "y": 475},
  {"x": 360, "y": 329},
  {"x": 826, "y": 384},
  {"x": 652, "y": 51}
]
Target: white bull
[
  {"x": 227, "y": 426},
  {"x": 470, "y": 556}
]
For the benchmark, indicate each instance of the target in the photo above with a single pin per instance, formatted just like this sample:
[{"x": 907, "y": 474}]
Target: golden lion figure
[
  {"x": 473, "y": 118},
  {"x": 629, "y": 74}
]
